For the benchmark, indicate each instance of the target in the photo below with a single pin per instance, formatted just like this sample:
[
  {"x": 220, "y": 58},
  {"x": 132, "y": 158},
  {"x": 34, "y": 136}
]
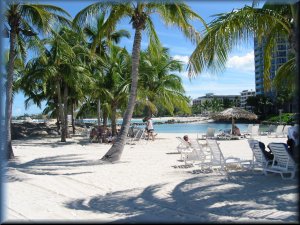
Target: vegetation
[{"x": 284, "y": 118}]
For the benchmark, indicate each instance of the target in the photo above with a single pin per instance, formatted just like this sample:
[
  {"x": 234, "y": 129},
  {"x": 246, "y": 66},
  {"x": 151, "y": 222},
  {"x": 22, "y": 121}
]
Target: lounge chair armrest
[{"x": 234, "y": 159}]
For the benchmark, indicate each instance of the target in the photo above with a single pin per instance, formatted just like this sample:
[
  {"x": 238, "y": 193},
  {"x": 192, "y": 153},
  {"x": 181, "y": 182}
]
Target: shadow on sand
[{"x": 208, "y": 198}]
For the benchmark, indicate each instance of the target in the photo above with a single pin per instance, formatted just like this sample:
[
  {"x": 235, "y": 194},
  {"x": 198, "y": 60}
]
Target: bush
[{"x": 286, "y": 118}]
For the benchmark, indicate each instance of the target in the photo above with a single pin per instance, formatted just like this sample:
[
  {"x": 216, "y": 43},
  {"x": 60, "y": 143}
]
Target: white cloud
[
  {"x": 183, "y": 58},
  {"x": 242, "y": 63}
]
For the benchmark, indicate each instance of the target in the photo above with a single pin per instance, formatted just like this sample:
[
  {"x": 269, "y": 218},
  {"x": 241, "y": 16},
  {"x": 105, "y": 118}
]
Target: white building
[{"x": 244, "y": 96}]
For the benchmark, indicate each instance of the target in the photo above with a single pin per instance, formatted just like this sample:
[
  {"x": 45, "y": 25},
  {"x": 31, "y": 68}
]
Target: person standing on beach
[{"x": 150, "y": 128}]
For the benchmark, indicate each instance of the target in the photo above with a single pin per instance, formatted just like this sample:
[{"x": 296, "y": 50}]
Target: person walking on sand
[{"x": 150, "y": 128}]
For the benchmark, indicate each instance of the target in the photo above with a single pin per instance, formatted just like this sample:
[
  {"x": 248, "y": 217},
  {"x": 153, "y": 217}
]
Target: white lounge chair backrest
[
  {"x": 249, "y": 129},
  {"x": 279, "y": 131},
  {"x": 258, "y": 156},
  {"x": 182, "y": 145},
  {"x": 282, "y": 162},
  {"x": 210, "y": 133},
  {"x": 254, "y": 130},
  {"x": 216, "y": 154},
  {"x": 281, "y": 156},
  {"x": 138, "y": 135},
  {"x": 285, "y": 130}
]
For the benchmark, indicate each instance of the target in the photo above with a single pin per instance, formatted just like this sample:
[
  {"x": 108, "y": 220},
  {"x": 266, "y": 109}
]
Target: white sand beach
[{"x": 53, "y": 181}]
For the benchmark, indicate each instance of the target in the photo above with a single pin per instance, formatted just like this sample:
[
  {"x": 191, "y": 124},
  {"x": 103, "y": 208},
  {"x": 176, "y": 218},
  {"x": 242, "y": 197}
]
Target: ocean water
[
  {"x": 195, "y": 127},
  {"x": 182, "y": 127}
]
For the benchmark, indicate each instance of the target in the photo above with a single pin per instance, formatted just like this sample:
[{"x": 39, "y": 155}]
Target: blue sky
[{"x": 239, "y": 73}]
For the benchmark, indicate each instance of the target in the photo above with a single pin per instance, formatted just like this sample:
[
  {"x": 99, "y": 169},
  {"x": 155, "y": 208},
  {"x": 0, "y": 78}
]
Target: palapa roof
[{"x": 236, "y": 113}]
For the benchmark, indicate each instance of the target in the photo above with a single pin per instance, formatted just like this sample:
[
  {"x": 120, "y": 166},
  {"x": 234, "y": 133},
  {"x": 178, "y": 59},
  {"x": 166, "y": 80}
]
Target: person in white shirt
[{"x": 150, "y": 128}]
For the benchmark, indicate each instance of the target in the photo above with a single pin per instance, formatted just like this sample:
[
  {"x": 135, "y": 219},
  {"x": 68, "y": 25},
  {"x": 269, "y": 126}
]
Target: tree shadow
[
  {"x": 53, "y": 165},
  {"x": 207, "y": 198}
]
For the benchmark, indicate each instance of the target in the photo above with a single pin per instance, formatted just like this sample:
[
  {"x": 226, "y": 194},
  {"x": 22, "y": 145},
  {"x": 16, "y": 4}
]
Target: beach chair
[
  {"x": 137, "y": 136},
  {"x": 194, "y": 153},
  {"x": 217, "y": 158},
  {"x": 258, "y": 158},
  {"x": 278, "y": 132},
  {"x": 285, "y": 130},
  {"x": 282, "y": 163},
  {"x": 210, "y": 133},
  {"x": 254, "y": 131}
]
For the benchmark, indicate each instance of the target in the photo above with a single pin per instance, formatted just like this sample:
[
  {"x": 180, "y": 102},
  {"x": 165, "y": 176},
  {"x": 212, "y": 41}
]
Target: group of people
[
  {"x": 292, "y": 144},
  {"x": 102, "y": 134}
]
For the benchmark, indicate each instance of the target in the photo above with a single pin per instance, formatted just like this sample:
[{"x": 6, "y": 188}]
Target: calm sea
[{"x": 184, "y": 127}]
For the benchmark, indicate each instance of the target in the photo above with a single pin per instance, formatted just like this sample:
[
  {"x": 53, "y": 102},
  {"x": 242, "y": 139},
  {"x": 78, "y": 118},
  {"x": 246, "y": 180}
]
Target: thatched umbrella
[{"x": 235, "y": 113}]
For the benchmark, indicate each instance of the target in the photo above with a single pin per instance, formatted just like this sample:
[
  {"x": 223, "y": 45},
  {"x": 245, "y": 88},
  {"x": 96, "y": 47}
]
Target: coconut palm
[
  {"x": 176, "y": 14},
  {"x": 227, "y": 30},
  {"x": 158, "y": 85},
  {"x": 21, "y": 19},
  {"x": 100, "y": 36}
]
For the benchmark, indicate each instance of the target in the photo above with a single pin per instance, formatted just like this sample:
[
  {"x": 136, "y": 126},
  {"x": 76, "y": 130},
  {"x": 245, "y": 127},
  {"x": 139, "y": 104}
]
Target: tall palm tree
[
  {"x": 176, "y": 14},
  {"x": 20, "y": 21},
  {"x": 100, "y": 36},
  {"x": 158, "y": 84},
  {"x": 228, "y": 30}
]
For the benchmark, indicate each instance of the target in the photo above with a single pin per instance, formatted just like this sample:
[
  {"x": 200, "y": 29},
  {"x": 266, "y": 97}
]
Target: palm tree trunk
[
  {"x": 115, "y": 152},
  {"x": 66, "y": 125},
  {"x": 105, "y": 118},
  {"x": 113, "y": 119},
  {"x": 61, "y": 113},
  {"x": 99, "y": 112},
  {"x": 72, "y": 113},
  {"x": 10, "y": 72}
]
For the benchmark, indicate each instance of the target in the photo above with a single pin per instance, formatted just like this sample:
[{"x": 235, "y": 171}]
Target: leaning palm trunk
[
  {"x": 115, "y": 152},
  {"x": 113, "y": 119},
  {"x": 11, "y": 62},
  {"x": 61, "y": 113}
]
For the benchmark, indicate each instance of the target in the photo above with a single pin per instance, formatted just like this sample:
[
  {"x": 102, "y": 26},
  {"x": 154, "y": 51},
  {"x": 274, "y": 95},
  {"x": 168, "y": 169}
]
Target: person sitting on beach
[
  {"x": 267, "y": 153},
  {"x": 186, "y": 139},
  {"x": 293, "y": 142},
  {"x": 93, "y": 134},
  {"x": 236, "y": 131}
]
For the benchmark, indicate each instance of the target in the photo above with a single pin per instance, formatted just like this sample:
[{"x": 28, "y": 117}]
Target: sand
[{"x": 53, "y": 181}]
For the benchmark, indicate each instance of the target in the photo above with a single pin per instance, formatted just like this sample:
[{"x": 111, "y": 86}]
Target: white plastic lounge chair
[
  {"x": 285, "y": 130},
  {"x": 194, "y": 153},
  {"x": 258, "y": 159},
  {"x": 217, "y": 158},
  {"x": 137, "y": 137},
  {"x": 278, "y": 132},
  {"x": 210, "y": 133},
  {"x": 282, "y": 162},
  {"x": 254, "y": 131}
]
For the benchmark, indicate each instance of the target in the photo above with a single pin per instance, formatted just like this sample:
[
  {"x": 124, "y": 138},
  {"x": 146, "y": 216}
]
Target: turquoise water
[
  {"x": 195, "y": 127},
  {"x": 183, "y": 127}
]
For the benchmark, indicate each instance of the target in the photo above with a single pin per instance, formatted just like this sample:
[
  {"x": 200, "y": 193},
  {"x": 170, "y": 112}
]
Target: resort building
[
  {"x": 244, "y": 96},
  {"x": 211, "y": 96},
  {"x": 279, "y": 57}
]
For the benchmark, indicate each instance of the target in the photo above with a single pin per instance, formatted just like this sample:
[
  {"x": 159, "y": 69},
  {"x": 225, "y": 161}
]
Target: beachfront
[{"x": 55, "y": 181}]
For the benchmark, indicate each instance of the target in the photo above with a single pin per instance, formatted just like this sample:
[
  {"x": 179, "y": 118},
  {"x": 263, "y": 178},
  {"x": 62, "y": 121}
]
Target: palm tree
[
  {"x": 227, "y": 30},
  {"x": 100, "y": 36},
  {"x": 159, "y": 86},
  {"x": 175, "y": 13},
  {"x": 20, "y": 20}
]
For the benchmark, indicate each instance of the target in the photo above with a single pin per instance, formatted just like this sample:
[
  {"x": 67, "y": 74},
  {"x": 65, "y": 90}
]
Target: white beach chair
[
  {"x": 217, "y": 158},
  {"x": 282, "y": 163},
  {"x": 258, "y": 158},
  {"x": 137, "y": 137},
  {"x": 278, "y": 132},
  {"x": 210, "y": 133},
  {"x": 285, "y": 130},
  {"x": 254, "y": 131},
  {"x": 194, "y": 153}
]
